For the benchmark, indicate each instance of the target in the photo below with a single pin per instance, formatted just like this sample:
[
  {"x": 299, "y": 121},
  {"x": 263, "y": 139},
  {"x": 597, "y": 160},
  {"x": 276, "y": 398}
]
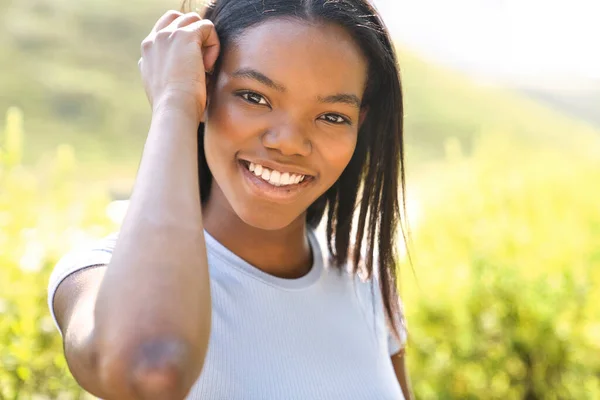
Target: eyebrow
[
  {"x": 350, "y": 99},
  {"x": 345, "y": 98},
  {"x": 257, "y": 76}
]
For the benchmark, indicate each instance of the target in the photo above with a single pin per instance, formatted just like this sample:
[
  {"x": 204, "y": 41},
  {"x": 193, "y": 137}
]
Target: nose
[{"x": 289, "y": 138}]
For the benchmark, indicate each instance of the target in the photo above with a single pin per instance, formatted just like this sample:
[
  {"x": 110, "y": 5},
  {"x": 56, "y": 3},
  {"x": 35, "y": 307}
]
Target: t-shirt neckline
[{"x": 215, "y": 248}]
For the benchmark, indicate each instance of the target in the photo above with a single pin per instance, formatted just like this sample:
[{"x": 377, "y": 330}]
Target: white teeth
[
  {"x": 266, "y": 174},
  {"x": 274, "y": 179}
]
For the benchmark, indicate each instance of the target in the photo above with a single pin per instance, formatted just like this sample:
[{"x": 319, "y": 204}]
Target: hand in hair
[{"x": 176, "y": 55}]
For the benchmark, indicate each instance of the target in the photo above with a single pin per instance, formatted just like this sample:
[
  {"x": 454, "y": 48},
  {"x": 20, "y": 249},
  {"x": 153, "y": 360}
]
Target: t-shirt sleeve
[
  {"x": 371, "y": 296},
  {"x": 96, "y": 254},
  {"x": 394, "y": 345}
]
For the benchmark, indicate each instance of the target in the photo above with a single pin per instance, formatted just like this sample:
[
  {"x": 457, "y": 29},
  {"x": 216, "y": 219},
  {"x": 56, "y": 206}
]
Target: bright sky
[{"x": 519, "y": 39}]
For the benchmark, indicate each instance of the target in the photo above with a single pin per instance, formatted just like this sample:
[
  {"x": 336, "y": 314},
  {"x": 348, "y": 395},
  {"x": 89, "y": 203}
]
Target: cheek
[
  {"x": 337, "y": 152},
  {"x": 227, "y": 130},
  {"x": 219, "y": 144},
  {"x": 222, "y": 122}
]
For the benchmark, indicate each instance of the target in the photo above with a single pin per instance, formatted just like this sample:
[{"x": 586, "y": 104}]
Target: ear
[{"x": 362, "y": 116}]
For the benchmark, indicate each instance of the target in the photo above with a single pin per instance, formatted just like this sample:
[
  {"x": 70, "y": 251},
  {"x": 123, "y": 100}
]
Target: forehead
[{"x": 314, "y": 57}]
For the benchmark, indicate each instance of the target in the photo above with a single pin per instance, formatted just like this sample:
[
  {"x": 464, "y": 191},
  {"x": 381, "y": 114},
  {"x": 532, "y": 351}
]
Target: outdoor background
[{"x": 503, "y": 158}]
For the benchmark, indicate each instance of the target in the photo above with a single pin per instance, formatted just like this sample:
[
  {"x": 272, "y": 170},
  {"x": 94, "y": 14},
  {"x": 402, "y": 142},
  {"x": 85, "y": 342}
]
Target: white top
[{"x": 312, "y": 338}]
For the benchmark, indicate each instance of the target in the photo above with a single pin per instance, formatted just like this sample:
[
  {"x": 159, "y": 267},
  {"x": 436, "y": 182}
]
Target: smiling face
[{"x": 283, "y": 119}]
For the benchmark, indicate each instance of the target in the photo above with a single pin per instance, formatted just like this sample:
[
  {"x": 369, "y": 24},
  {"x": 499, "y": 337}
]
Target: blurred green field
[
  {"x": 502, "y": 298},
  {"x": 504, "y": 302}
]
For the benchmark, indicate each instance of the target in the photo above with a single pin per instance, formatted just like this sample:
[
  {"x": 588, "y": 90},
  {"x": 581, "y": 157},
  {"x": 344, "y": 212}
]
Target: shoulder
[{"x": 95, "y": 253}]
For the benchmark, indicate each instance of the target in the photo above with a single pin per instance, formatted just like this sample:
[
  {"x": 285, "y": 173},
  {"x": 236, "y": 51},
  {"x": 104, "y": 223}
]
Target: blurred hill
[
  {"x": 72, "y": 68},
  {"x": 442, "y": 103},
  {"x": 581, "y": 100}
]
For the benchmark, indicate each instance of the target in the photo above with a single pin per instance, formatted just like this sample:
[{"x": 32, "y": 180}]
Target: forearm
[
  {"x": 152, "y": 315},
  {"x": 166, "y": 191}
]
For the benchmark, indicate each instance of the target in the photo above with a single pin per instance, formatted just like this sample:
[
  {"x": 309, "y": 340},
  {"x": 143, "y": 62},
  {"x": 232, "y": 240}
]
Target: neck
[{"x": 284, "y": 253}]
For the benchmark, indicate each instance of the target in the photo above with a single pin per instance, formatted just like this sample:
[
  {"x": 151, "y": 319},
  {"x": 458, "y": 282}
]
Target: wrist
[
  {"x": 176, "y": 102},
  {"x": 172, "y": 119}
]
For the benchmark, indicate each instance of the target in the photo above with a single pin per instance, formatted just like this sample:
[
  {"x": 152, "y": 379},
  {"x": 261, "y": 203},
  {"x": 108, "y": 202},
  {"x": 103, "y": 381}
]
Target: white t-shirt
[{"x": 311, "y": 338}]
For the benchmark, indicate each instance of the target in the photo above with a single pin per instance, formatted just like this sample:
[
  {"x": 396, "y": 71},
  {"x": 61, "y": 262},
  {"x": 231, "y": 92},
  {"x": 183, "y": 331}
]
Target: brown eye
[
  {"x": 254, "y": 98},
  {"x": 335, "y": 119}
]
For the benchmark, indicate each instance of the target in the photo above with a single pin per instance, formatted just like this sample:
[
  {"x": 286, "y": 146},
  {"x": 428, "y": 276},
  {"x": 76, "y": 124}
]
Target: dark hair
[{"x": 375, "y": 173}]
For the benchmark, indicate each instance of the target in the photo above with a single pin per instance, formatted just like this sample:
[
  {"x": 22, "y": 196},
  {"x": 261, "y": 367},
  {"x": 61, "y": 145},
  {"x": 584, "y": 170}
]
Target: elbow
[
  {"x": 156, "y": 369},
  {"x": 161, "y": 370}
]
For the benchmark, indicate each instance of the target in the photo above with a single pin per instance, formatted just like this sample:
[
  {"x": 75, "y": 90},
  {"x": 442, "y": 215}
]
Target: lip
[
  {"x": 276, "y": 194},
  {"x": 272, "y": 165}
]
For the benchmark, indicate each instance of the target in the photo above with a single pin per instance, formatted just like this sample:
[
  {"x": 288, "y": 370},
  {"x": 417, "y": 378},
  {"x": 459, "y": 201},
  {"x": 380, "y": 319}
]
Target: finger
[
  {"x": 208, "y": 40},
  {"x": 186, "y": 20},
  {"x": 166, "y": 20}
]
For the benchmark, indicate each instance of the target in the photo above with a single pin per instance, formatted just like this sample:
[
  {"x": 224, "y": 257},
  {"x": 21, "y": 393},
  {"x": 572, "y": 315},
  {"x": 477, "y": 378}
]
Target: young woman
[{"x": 266, "y": 114}]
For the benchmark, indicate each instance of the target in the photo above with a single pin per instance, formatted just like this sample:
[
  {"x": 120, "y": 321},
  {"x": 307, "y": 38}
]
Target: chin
[{"x": 269, "y": 221}]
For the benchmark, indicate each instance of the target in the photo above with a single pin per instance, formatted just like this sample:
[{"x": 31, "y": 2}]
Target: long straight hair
[{"x": 374, "y": 180}]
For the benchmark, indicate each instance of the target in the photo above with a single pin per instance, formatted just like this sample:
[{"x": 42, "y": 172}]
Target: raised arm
[{"x": 139, "y": 328}]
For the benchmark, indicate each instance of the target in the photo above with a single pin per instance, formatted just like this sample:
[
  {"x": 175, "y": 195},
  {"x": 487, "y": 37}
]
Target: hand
[{"x": 175, "y": 58}]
